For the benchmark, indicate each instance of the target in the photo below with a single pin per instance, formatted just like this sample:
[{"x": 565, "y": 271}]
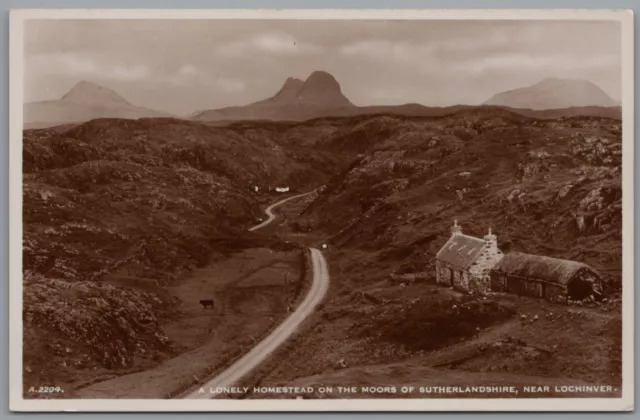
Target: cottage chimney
[
  {"x": 491, "y": 240},
  {"x": 455, "y": 229}
]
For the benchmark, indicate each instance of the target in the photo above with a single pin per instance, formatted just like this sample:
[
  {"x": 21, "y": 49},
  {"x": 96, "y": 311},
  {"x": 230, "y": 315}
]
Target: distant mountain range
[
  {"x": 85, "y": 101},
  {"x": 320, "y": 95}
]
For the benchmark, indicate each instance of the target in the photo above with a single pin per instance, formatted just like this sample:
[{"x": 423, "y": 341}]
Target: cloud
[
  {"x": 188, "y": 70},
  {"x": 385, "y": 50},
  {"x": 77, "y": 66},
  {"x": 277, "y": 43},
  {"x": 129, "y": 73},
  {"x": 185, "y": 74},
  {"x": 190, "y": 74},
  {"x": 415, "y": 50},
  {"x": 230, "y": 85},
  {"x": 550, "y": 63},
  {"x": 86, "y": 67}
]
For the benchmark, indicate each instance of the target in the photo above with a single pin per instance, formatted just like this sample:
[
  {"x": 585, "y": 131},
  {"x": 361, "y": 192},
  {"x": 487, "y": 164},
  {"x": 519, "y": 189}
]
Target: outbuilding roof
[
  {"x": 539, "y": 267},
  {"x": 461, "y": 250}
]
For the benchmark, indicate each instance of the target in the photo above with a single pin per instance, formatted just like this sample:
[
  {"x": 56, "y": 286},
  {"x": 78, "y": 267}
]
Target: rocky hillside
[
  {"x": 554, "y": 93},
  {"x": 550, "y": 187},
  {"x": 114, "y": 210},
  {"x": 84, "y": 102}
]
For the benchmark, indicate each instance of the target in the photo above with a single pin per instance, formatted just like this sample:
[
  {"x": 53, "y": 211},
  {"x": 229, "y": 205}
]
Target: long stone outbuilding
[{"x": 476, "y": 265}]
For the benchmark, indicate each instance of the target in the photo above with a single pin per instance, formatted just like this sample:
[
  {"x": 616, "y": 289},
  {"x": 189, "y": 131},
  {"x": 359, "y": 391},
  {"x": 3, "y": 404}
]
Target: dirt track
[{"x": 272, "y": 215}]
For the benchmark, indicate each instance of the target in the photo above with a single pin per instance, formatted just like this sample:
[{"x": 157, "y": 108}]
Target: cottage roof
[
  {"x": 539, "y": 267},
  {"x": 461, "y": 250}
]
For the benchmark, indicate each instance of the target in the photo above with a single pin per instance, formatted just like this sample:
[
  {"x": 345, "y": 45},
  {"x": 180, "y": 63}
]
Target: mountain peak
[
  {"x": 554, "y": 93},
  {"x": 90, "y": 93},
  {"x": 293, "y": 81},
  {"x": 321, "y": 75},
  {"x": 289, "y": 91},
  {"x": 322, "y": 88}
]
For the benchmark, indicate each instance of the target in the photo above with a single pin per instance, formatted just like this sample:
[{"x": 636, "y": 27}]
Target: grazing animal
[{"x": 206, "y": 303}]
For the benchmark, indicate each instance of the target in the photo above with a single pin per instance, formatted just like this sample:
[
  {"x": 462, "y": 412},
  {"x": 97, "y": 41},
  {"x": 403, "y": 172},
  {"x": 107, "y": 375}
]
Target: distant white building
[{"x": 282, "y": 189}]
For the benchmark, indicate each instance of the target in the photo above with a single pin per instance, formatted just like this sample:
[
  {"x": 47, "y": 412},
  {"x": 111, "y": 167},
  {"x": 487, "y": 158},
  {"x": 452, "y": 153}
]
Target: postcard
[{"x": 321, "y": 210}]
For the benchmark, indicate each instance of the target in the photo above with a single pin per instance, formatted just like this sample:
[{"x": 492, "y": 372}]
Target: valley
[{"x": 129, "y": 223}]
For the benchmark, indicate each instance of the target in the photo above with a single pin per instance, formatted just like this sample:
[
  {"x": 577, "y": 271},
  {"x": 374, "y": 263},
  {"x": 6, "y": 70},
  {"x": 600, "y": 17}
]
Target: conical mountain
[
  {"x": 554, "y": 93},
  {"x": 85, "y": 101},
  {"x": 91, "y": 93}
]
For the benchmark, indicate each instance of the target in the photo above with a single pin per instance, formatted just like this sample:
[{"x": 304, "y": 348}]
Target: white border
[{"x": 17, "y": 403}]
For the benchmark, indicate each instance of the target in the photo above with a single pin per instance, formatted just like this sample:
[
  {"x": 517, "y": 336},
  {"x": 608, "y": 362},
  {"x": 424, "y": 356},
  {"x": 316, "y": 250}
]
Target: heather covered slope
[
  {"x": 114, "y": 210},
  {"x": 550, "y": 187}
]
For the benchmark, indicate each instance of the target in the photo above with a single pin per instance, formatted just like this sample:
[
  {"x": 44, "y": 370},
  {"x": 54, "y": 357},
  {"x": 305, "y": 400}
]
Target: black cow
[{"x": 206, "y": 303}]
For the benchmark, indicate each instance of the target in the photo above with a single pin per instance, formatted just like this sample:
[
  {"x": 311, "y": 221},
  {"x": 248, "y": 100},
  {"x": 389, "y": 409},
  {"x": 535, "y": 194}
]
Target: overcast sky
[{"x": 182, "y": 66}]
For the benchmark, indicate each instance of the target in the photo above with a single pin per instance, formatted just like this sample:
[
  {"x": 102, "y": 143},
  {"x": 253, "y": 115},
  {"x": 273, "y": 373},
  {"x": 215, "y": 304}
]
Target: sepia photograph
[{"x": 319, "y": 210}]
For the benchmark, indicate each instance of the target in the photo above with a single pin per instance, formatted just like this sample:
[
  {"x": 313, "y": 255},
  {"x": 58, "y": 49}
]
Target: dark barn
[{"x": 550, "y": 278}]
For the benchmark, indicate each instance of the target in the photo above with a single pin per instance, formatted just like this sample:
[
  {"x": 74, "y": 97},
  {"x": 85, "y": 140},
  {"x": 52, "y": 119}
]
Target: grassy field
[{"x": 250, "y": 292}]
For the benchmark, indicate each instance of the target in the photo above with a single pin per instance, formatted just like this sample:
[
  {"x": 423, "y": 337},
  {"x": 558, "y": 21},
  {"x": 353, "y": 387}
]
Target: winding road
[
  {"x": 269, "y": 210},
  {"x": 230, "y": 376}
]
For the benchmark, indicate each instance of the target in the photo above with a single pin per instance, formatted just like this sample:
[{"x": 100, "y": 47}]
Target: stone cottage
[
  {"x": 464, "y": 261},
  {"x": 550, "y": 278}
]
